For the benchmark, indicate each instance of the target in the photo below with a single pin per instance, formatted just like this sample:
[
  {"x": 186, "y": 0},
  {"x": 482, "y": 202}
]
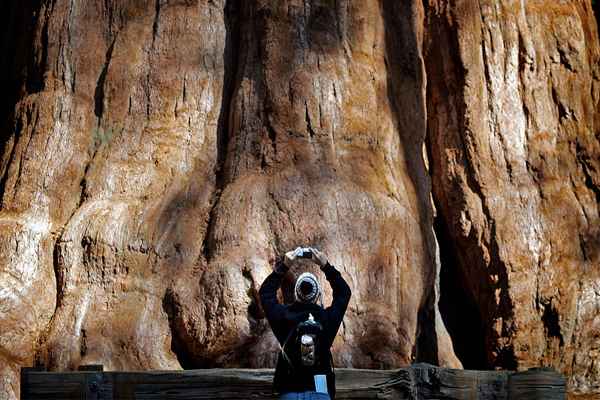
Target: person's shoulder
[{"x": 319, "y": 312}]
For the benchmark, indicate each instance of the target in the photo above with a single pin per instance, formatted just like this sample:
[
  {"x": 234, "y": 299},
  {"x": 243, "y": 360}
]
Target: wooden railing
[{"x": 420, "y": 381}]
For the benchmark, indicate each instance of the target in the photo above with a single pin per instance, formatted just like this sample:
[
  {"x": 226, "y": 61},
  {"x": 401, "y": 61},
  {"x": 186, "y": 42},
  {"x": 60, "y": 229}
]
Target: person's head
[{"x": 307, "y": 288}]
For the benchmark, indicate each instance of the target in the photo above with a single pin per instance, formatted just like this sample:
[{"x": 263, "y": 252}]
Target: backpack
[{"x": 302, "y": 348}]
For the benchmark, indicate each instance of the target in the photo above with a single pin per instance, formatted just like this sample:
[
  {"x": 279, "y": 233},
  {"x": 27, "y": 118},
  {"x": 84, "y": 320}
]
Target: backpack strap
[{"x": 282, "y": 346}]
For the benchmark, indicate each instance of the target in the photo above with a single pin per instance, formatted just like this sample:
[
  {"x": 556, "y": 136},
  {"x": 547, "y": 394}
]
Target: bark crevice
[
  {"x": 157, "y": 7},
  {"x": 232, "y": 17},
  {"x": 458, "y": 308},
  {"x": 99, "y": 91}
]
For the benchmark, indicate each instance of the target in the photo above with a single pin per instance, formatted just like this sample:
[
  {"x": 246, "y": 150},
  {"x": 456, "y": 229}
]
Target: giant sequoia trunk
[
  {"x": 156, "y": 156},
  {"x": 513, "y": 133}
]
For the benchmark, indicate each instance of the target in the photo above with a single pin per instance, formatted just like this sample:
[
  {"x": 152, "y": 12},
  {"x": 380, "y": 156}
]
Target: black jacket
[{"x": 284, "y": 318}]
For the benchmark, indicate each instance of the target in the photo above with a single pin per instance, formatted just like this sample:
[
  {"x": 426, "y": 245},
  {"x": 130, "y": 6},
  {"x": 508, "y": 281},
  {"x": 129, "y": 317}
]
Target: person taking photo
[{"x": 304, "y": 329}]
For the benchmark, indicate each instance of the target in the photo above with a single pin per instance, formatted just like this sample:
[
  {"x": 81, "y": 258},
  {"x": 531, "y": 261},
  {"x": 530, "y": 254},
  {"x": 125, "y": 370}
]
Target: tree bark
[
  {"x": 513, "y": 92},
  {"x": 156, "y": 156}
]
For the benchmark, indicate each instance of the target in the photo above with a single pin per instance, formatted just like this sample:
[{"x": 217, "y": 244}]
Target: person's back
[{"x": 304, "y": 329}]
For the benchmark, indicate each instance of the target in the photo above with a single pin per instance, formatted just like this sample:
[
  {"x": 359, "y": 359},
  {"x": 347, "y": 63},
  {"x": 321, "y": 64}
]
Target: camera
[{"x": 306, "y": 253}]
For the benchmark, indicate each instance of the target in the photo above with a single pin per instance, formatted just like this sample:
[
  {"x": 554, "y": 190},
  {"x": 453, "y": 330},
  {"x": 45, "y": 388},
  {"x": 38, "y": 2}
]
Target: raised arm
[
  {"x": 341, "y": 294},
  {"x": 275, "y": 311},
  {"x": 268, "y": 294},
  {"x": 341, "y": 297}
]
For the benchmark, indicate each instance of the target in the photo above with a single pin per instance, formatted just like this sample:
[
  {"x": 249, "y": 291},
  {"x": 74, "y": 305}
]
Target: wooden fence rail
[{"x": 420, "y": 381}]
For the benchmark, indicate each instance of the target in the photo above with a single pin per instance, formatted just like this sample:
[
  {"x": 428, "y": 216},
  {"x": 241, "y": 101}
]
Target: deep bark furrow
[
  {"x": 231, "y": 73},
  {"x": 99, "y": 91}
]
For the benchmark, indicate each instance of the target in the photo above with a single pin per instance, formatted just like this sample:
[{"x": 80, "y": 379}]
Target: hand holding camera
[
  {"x": 308, "y": 253},
  {"x": 318, "y": 257}
]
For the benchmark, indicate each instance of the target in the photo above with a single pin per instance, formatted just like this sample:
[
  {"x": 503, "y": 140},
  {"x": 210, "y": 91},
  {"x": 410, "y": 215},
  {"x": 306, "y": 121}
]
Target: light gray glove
[
  {"x": 290, "y": 256},
  {"x": 284, "y": 263},
  {"x": 318, "y": 257}
]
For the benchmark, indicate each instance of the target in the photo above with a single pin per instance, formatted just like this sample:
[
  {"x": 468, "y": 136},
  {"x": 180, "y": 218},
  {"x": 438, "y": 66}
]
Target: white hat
[{"x": 307, "y": 289}]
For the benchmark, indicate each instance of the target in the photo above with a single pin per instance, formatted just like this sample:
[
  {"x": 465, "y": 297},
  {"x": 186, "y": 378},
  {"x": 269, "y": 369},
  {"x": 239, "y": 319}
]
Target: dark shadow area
[
  {"x": 458, "y": 309},
  {"x": 550, "y": 318},
  {"x": 20, "y": 68},
  {"x": 596, "y": 8},
  {"x": 172, "y": 309},
  {"x": 8, "y": 80},
  {"x": 405, "y": 91},
  {"x": 230, "y": 63},
  {"x": 325, "y": 30},
  {"x": 231, "y": 52},
  {"x": 99, "y": 92}
]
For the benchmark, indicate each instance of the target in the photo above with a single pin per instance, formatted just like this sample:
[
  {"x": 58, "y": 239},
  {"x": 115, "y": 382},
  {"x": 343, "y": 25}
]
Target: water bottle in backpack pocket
[{"x": 302, "y": 348}]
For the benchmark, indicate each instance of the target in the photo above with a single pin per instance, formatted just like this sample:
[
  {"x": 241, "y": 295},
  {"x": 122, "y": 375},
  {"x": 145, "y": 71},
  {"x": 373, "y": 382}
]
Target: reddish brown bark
[{"x": 157, "y": 156}]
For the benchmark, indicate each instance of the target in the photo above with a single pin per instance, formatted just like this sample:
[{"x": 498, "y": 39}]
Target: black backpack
[{"x": 302, "y": 348}]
